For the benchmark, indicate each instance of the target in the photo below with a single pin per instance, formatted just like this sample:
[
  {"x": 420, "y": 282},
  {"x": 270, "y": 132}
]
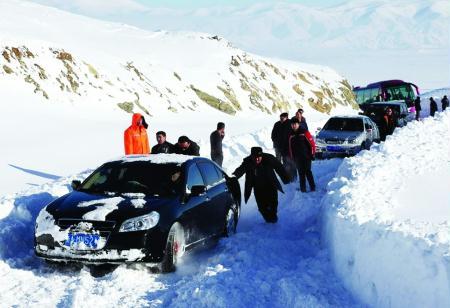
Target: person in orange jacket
[{"x": 135, "y": 136}]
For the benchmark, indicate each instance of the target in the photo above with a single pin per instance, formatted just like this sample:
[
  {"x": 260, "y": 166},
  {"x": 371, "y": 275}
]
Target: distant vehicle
[
  {"x": 401, "y": 113},
  {"x": 346, "y": 135},
  {"x": 387, "y": 90},
  {"x": 149, "y": 208}
]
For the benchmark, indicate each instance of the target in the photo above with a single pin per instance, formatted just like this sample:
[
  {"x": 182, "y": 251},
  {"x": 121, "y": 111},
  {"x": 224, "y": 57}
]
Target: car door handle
[
  {"x": 207, "y": 199},
  {"x": 226, "y": 189}
]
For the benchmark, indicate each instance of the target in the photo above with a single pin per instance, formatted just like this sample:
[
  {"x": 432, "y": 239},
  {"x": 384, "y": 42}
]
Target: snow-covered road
[{"x": 278, "y": 265}]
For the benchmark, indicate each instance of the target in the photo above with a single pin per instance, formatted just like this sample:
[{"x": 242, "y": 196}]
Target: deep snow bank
[{"x": 387, "y": 218}]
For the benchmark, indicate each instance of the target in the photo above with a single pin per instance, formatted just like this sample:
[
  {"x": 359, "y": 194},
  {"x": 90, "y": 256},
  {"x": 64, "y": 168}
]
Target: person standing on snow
[
  {"x": 215, "y": 140},
  {"x": 135, "y": 136},
  {"x": 445, "y": 102},
  {"x": 259, "y": 169},
  {"x": 186, "y": 146},
  {"x": 162, "y": 146},
  {"x": 433, "y": 107},
  {"x": 417, "y": 107},
  {"x": 302, "y": 149},
  {"x": 279, "y": 134}
]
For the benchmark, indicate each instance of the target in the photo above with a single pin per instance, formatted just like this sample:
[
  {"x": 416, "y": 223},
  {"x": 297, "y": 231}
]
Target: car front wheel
[
  {"x": 174, "y": 248},
  {"x": 231, "y": 220}
]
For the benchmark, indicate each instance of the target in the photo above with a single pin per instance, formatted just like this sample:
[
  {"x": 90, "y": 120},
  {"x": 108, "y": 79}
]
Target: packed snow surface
[
  {"x": 387, "y": 218},
  {"x": 278, "y": 265}
]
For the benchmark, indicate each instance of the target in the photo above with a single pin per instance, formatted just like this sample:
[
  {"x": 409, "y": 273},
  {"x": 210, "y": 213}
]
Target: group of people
[
  {"x": 294, "y": 148},
  {"x": 136, "y": 141},
  {"x": 433, "y": 106}
]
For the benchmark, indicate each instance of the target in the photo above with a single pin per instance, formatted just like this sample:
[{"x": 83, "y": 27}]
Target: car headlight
[{"x": 140, "y": 223}]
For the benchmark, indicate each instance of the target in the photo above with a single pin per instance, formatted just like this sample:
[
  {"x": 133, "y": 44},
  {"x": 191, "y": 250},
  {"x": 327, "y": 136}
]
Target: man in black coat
[
  {"x": 418, "y": 107},
  {"x": 445, "y": 102},
  {"x": 259, "y": 169},
  {"x": 186, "y": 146},
  {"x": 215, "y": 140},
  {"x": 301, "y": 119},
  {"x": 279, "y": 134},
  {"x": 433, "y": 107},
  {"x": 162, "y": 146}
]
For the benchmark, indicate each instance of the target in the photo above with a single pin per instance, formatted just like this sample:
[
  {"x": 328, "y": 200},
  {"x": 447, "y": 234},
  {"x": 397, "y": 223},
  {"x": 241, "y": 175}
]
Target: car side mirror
[
  {"x": 198, "y": 190},
  {"x": 75, "y": 184},
  {"x": 367, "y": 126}
]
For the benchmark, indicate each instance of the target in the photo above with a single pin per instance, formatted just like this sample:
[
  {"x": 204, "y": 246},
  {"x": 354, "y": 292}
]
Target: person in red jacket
[
  {"x": 302, "y": 149},
  {"x": 135, "y": 136}
]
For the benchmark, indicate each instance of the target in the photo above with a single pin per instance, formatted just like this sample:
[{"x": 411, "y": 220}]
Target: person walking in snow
[
  {"x": 215, "y": 140},
  {"x": 135, "y": 136},
  {"x": 162, "y": 145},
  {"x": 279, "y": 134},
  {"x": 186, "y": 146},
  {"x": 302, "y": 149},
  {"x": 444, "y": 102},
  {"x": 417, "y": 107},
  {"x": 259, "y": 169},
  {"x": 433, "y": 107}
]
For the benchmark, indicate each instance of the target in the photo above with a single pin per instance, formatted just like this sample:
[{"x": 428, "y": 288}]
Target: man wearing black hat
[
  {"x": 279, "y": 134},
  {"x": 215, "y": 139},
  {"x": 186, "y": 146},
  {"x": 259, "y": 169}
]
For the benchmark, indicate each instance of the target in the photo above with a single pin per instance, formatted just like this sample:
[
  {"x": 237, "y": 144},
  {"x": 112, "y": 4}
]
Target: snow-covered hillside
[
  {"x": 367, "y": 40},
  {"x": 65, "y": 57},
  {"x": 68, "y": 83},
  {"x": 387, "y": 218}
]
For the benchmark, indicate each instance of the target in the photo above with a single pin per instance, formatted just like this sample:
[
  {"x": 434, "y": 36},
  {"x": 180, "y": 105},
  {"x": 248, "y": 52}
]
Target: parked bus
[{"x": 387, "y": 90}]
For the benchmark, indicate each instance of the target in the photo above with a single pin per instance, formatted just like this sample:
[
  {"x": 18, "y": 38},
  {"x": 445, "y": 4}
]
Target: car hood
[
  {"x": 338, "y": 135},
  {"x": 86, "y": 206}
]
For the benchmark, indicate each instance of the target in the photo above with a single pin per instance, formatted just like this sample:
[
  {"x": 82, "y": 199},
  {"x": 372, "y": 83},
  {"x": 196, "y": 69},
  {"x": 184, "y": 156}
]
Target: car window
[
  {"x": 219, "y": 173},
  {"x": 209, "y": 173},
  {"x": 344, "y": 124},
  {"x": 194, "y": 177},
  {"x": 134, "y": 177}
]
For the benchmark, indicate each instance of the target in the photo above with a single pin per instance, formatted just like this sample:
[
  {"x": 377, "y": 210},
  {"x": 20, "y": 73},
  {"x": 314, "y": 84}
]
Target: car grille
[
  {"x": 334, "y": 141},
  {"x": 108, "y": 225}
]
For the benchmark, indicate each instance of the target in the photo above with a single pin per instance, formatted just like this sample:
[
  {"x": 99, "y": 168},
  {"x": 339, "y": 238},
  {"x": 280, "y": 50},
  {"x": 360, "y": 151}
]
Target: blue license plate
[
  {"x": 82, "y": 241},
  {"x": 334, "y": 148}
]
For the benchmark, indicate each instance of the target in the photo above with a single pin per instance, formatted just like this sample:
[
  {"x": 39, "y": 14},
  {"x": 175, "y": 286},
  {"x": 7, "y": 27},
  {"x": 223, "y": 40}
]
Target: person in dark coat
[
  {"x": 387, "y": 125},
  {"x": 279, "y": 134},
  {"x": 259, "y": 169},
  {"x": 418, "y": 107},
  {"x": 301, "y": 119},
  {"x": 215, "y": 140},
  {"x": 162, "y": 146},
  {"x": 445, "y": 102},
  {"x": 433, "y": 107},
  {"x": 302, "y": 149},
  {"x": 186, "y": 146}
]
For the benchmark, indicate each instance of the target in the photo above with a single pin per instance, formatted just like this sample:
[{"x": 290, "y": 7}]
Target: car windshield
[
  {"x": 344, "y": 124},
  {"x": 135, "y": 177}
]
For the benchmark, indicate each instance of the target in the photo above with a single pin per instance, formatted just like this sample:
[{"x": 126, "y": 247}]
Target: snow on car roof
[
  {"x": 155, "y": 158},
  {"x": 350, "y": 116}
]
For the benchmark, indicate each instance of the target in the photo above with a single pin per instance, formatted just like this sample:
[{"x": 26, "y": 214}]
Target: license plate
[
  {"x": 83, "y": 241},
  {"x": 334, "y": 148}
]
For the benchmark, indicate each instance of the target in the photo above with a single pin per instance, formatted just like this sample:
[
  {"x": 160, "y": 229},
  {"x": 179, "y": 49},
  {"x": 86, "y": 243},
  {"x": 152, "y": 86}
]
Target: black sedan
[{"x": 149, "y": 208}]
